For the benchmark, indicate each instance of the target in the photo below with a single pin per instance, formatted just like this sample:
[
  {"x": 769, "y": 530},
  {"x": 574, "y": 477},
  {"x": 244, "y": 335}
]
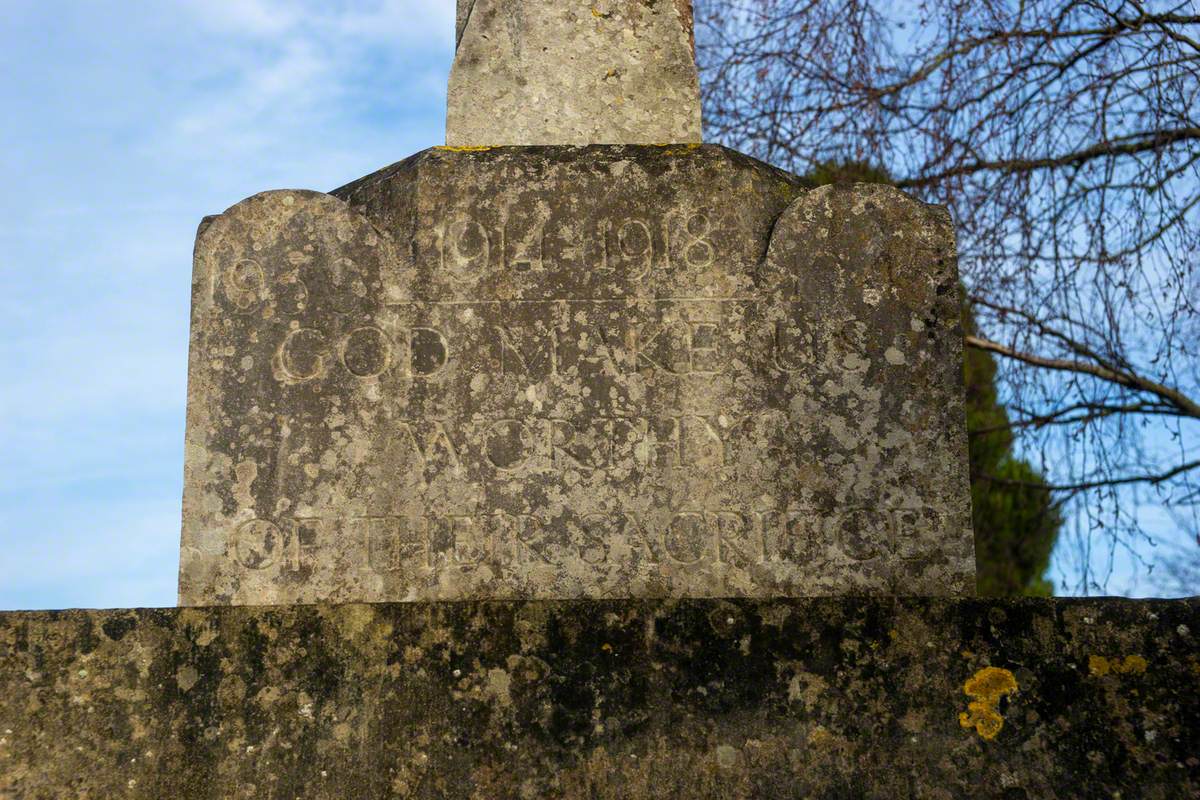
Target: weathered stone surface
[
  {"x": 575, "y": 72},
  {"x": 566, "y": 372},
  {"x": 833, "y": 698}
]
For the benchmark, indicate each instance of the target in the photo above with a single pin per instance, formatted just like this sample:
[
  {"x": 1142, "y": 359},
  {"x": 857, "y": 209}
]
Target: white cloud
[
  {"x": 401, "y": 21},
  {"x": 311, "y": 63},
  {"x": 398, "y": 21},
  {"x": 244, "y": 17},
  {"x": 285, "y": 88}
]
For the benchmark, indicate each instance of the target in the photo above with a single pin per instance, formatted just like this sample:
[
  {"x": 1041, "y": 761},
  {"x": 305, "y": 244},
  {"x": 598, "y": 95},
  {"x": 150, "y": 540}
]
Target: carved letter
[
  {"x": 254, "y": 543},
  {"x": 390, "y": 542},
  {"x": 244, "y": 283},
  {"x": 366, "y": 352},
  {"x": 739, "y": 541},
  {"x": 685, "y": 537},
  {"x": 542, "y": 359},
  {"x": 301, "y": 355},
  {"x": 427, "y": 446},
  {"x": 466, "y": 250},
  {"x": 858, "y": 531},
  {"x": 508, "y": 444},
  {"x": 428, "y": 352},
  {"x": 788, "y": 536}
]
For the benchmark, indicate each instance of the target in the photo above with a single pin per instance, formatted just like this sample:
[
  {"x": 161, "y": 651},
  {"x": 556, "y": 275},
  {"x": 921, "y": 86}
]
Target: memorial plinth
[
  {"x": 554, "y": 372},
  {"x": 854, "y": 698}
]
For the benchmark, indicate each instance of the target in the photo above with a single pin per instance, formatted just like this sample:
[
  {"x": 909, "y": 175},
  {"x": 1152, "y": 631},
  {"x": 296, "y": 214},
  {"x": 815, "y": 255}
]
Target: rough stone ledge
[{"x": 828, "y": 698}]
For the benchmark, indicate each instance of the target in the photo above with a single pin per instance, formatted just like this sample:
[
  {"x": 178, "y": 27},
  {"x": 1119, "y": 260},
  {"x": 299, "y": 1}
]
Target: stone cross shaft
[{"x": 538, "y": 72}]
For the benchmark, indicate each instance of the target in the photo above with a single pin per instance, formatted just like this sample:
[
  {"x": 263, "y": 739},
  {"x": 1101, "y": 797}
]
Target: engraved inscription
[
  {"x": 698, "y": 252},
  {"x": 630, "y": 251},
  {"x": 586, "y": 444},
  {"x": 365, "y": 352},
  {"x": 685, "y": 338},
  {"x": 740, "y": 539},
  {"x": 470, "y": 247},
  {"x": 301, "y": 354},
  {"x": 664, "y": 385},
  {"x": 534, "y": 356}
]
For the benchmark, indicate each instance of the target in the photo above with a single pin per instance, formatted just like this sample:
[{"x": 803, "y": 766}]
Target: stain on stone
[
  {"x": 87, "y": 636},
  {"x": 117, "y": 627}
]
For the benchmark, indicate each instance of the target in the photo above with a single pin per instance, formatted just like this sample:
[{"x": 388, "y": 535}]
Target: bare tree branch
[
  {"x": 1130, "y": 145},
  {"x": 1097, "y": 484},
  {"x": 1176, "y": 398}
]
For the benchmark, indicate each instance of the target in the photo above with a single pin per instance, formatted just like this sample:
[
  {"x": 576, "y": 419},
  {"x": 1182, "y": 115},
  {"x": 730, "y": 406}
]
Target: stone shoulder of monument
[
  {"x": 662, "y": 157},
  {"x": 613, "y": 371},
  {"x": 836, "y": 697}
]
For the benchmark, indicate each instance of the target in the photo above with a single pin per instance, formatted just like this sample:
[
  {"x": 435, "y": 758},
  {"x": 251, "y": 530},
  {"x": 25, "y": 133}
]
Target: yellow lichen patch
[
  {"x": 678, "y": 148},
  {"x": 820, "y": 736},
  {"x": 986, "y": 686},
  {"x": 1135, "y": 665},
  {"x": 1130, "y": 665},
  {"x": 464, "y": 148}
]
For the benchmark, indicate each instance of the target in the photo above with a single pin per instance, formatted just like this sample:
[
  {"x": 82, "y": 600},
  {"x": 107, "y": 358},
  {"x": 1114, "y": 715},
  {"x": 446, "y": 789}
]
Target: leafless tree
[{"x": 1065, "y": 138}]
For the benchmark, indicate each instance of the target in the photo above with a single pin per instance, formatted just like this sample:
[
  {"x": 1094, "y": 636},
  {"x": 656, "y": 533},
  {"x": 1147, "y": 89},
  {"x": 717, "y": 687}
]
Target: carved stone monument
[
  {"x": 574, "y": 371},
  {"x": 593, "y": 369}
]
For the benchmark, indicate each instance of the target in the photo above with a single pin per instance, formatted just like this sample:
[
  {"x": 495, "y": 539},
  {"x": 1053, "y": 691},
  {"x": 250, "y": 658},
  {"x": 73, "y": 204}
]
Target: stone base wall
[{"x": 828, "y": 698}]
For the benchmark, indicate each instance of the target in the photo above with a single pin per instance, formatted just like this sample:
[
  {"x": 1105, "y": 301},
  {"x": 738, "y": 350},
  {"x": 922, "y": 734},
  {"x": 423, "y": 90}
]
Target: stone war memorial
[{"x": 578, "y": 458}]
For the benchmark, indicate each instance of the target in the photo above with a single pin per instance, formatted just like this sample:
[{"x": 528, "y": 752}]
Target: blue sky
[{"x": 121, "y": 131}]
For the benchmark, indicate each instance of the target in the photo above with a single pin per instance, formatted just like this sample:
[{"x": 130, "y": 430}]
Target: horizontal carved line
[{"x": 587, "y": 300}]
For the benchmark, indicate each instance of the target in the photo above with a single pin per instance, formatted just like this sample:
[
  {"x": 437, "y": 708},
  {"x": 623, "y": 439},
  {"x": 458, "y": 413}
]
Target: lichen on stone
[{"x": 987, "y": 687}]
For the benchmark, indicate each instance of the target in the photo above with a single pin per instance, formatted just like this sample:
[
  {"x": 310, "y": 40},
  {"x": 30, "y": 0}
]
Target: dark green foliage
[
  {"x": 1015, "y": 518},
  {"x": 844, "y": 172}
]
